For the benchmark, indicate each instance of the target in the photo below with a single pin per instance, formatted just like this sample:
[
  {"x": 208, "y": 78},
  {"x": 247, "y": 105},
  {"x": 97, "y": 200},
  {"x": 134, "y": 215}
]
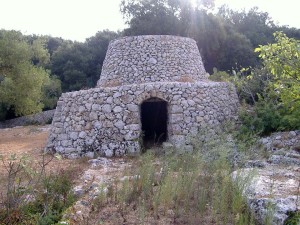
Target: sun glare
[{"x": 194, "y": 3}]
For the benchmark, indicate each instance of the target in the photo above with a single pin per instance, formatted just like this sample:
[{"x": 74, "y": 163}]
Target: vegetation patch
[
  {"x": 188, "y": 188},
  {"x": 33, "y": 194}
]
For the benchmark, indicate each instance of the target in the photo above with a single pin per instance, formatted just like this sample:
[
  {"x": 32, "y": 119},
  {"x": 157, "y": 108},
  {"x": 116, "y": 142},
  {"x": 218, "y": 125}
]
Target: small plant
[
  {"x": 34, "y": 196},
  {"x": 293, "y": 219}
]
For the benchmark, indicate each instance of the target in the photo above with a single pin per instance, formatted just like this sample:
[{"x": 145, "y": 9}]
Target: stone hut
[{"x": 152, "y": 89}]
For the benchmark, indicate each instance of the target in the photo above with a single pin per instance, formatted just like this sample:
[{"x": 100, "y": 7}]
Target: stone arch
[
  {"x": 151, "y": 94},
  {"x": 154, "y": 121}
]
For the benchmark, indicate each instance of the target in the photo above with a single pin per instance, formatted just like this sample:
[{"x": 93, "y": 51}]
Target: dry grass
[{"x": 30, "y": 141}]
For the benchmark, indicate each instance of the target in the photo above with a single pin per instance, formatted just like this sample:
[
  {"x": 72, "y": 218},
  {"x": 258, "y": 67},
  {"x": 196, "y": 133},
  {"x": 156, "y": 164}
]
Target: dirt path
[{"x": 23, "y": 140}]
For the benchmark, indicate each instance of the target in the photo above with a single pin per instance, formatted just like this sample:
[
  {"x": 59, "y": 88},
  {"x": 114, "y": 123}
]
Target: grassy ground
[{"x": 174, "y": 189}]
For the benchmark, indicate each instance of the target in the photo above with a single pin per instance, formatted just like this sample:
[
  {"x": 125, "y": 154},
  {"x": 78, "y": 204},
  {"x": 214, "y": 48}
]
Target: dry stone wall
[
  {"x": 38, "y": 118},
  {"x": 144, "y": 59},
  {"x": 107, "y": 119}
]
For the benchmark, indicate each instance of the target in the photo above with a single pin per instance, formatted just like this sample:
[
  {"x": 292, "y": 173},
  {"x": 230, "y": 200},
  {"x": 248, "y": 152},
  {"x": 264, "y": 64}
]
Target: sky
[{"x": 80, "y": 19}]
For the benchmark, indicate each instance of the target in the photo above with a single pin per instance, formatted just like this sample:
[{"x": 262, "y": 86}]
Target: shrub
[{"x": 34, "y": 197}]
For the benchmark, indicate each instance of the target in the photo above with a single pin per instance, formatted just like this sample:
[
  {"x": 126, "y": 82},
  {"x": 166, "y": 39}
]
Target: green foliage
[
  {"x": 294, "y": 218},
  {"x": 262, "y": 119},
  {"x": 220, "y": 44},
  {"x": 57, "y": 197},
  {"x": 97, "y": 46},
  {"x": 250, "y": 83},
  {"x": 273, "y": 90},
  {"x": 69, "y": 62},
  {"x": 78, "y": 65},
  {"x": 51, "y": 92},
  {"x": 257, "y": 26},
  {"x": 282, "y": 60},
  {"x": 22, "y": 74},
  {"x": 279, "y": 106},
  {"x": 220, "y": 76},
  {"x": 154, "y": 16},
  {"x": 33, "y": 196}
]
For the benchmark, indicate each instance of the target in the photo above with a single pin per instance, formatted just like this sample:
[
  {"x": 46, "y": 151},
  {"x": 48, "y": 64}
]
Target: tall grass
[{"x": 189, "y": 188}]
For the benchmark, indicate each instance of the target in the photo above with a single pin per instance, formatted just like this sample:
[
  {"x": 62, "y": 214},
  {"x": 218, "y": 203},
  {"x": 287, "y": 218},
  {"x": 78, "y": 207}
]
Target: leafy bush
[
  {"x": 262, "y": 119},
  {"x": 266, "y": 117},
  {"x": 271, "y": 91}
]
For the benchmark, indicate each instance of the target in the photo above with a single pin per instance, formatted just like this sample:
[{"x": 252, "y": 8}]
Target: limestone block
[
  {"x": 90, "y": 141},
  {"x": 133, "y": 127},
  {"x": 131, "y": 135},
  {"x": 62, "y": 137},
  {"x": 117, "y": 109},
  {"x": 93, "y": 116},
  {"x": 133, "y": 147},
  {"x": 58, "y": 124},
  {"x": 132, "y": 107},
  {"x": 97, "y": 125},
  {"x": 82, "y": 134},
  {"x": 74, "y": 135},
  {"x": 69, "y": 150},
  {"x": 119, "y": 124},
  {"x": 88, "y": 106},
  {"x": 117, "y": 95},
  {"x": 176, "y": 109},
  {"x": 66, "y": 143},
  {"x": 107, "y": 124},
  {"x": 175, "y": 118},
  {"x": 176, "y": 129},
  {"x": 178, "y": 140},
  {"x": 106, "y": 108},
  {"x": 81, "y": 109}
]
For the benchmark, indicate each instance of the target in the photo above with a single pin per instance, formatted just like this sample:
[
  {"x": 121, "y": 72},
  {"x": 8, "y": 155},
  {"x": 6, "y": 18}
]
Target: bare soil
[{"x": 30, "y": 141}]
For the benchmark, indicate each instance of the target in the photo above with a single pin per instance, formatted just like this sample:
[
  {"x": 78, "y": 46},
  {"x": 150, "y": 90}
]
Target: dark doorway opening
[{"x": 154, "y": 117}]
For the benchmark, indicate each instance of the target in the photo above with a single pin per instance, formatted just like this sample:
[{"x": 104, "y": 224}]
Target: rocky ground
[
  {"x": 273, "y": 192},
  {"x": 95, "y": 181}
]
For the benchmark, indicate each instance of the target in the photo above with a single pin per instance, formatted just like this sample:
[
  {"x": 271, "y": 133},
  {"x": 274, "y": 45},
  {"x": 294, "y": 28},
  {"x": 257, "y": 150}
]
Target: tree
[
  {"x": 70, "y": 62},
  {"x": 78, "y": 65},
  {"x": 22, "y": 75},
  {"x": 282, "y": 60},
  {"x": 156, "y": 17},
  {"x": 97, "y": 46},
  {"x": 221, "y": 46},
  {"x": 51, "y": 92},
  {"x": 278, "y": 105},
  {"x": 215, "y": 38},
  {"x": 257, "y": 26}
]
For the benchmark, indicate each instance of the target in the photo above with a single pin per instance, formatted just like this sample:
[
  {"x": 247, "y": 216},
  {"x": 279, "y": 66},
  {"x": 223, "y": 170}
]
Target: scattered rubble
[{"x": 274, "y": 191}]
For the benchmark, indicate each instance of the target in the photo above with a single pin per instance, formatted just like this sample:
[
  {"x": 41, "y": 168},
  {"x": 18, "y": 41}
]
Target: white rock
[
  {"x": 117, "y": 109},
  {"x": 119, "y": 124},
  {"x": 106, "y": 108},
  {"x": 133, "y": 107}
]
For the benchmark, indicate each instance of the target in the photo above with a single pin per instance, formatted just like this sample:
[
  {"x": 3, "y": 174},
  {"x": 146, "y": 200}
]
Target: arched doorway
[{"x": 154, "y": 119}]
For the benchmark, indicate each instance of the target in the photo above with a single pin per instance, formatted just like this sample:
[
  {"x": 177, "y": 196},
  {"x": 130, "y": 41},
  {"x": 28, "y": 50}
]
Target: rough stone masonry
[{"x": 152, "y": 89}]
